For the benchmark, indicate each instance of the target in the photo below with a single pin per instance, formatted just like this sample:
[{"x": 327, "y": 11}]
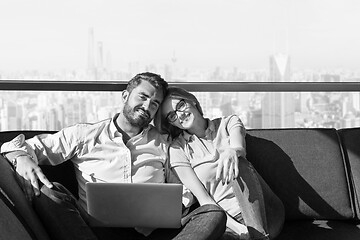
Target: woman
[{"x": 209, "y": 157}]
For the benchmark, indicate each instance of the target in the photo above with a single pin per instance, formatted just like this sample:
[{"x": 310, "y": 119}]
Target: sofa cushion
[
  {"x": 305, "y": 168},
  {"x": 320, "y": 230},
  {"x": 351, "y": 143}
]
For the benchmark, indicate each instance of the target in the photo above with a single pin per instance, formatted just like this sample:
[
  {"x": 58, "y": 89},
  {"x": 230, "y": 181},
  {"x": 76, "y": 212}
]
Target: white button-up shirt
[{"x": 100, "y": 155}]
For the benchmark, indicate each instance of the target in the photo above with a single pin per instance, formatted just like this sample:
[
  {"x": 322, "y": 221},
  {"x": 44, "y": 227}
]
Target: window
[{"x": 184, "y": 41}]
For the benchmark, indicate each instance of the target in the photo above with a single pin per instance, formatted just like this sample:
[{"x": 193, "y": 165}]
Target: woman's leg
[
  {"x": 206, "y": 222},
  {"x": 262, "y": 211}
]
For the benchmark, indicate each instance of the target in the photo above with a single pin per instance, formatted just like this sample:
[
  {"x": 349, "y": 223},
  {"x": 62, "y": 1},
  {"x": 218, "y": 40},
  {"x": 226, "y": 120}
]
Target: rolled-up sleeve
[
  {"x": 49, "y": 148},
  {"x": 177, "y": 156},
  {"x": 235, "y": 124}
]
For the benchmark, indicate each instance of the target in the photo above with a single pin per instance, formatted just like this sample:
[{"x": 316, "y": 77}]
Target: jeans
[
  {"x": 65, "y": 219},
  {"x": 262, "y": 211}
]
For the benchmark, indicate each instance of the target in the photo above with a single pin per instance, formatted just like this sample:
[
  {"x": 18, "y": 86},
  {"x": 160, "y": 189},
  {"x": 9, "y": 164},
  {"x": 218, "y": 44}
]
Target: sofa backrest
[
  {"x": 305, "y": 168},
  {"x": 350, "y": 138}
]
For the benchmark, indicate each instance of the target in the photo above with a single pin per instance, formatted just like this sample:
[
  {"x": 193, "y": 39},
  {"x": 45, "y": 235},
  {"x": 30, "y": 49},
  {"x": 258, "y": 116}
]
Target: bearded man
[{"x": 111, "y": 150}]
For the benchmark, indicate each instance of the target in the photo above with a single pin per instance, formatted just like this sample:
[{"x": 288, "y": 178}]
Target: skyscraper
[
  {"x": 91, "y": 53},
  {"x": 278, "y": 108},
  {"x": 100, "y": 57}
]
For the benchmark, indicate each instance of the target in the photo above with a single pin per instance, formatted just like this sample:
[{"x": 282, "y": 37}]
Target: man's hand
[
  {"x": 228, "y": 166},
  {"x": 28, "y": 176}
]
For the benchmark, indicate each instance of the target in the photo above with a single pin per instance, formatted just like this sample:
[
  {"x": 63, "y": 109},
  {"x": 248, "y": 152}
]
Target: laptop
[{"x": 150, "y": 205}]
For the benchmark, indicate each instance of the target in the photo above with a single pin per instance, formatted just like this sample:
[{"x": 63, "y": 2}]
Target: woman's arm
[
  {"x": 188, "y": 177},
  {"x": 228, "y": 163},
  {"x": 237, "y": 133},
  {"x": 191, "y": 181}
]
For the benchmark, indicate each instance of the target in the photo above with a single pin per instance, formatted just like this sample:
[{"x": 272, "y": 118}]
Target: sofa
[{"x": 315, "y": 172}]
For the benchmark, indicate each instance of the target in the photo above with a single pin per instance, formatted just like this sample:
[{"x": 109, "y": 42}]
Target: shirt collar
[
  {"x": 210, "y": 129},
  {"x": 114, "y": 132}
]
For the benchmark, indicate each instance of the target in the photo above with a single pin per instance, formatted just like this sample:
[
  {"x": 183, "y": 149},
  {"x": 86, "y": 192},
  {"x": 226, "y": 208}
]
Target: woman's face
[{"x": 179, "y": 112}]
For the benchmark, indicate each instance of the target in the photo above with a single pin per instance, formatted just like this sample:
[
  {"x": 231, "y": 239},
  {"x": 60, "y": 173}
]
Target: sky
[{"x": 53, "y": 35}]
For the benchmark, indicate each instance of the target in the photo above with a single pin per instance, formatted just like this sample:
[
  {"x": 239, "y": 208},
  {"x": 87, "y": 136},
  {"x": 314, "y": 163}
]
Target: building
[{"x": 278, "y": 108}]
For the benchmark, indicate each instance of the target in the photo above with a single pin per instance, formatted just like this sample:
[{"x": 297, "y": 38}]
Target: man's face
[{"x": 141, "y": 104}]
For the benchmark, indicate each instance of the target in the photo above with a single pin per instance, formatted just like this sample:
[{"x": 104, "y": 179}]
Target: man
[{"x": 108, "y": 151}]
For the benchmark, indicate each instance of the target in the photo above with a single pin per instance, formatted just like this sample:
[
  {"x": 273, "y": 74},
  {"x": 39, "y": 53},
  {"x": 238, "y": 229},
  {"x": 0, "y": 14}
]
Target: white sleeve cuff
[{"x": 18, "y": 144}]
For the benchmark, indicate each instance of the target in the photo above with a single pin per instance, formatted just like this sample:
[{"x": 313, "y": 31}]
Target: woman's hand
[{"x": 228, "y": 166}]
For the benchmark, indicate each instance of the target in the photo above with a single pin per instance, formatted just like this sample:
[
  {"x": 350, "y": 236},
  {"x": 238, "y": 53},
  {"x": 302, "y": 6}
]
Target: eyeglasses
[{"x": 180, "y": 106}]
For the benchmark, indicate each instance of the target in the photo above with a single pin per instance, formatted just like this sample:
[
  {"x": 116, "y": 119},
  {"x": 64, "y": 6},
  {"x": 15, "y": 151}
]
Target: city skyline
[
  {"x": 54, "y": 110},
  {"x": 46, "y": 36}
]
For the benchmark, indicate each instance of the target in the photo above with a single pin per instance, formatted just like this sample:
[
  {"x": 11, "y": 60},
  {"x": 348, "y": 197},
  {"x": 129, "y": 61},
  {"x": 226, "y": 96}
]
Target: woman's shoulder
[
  {"x": 228, "y": 122},
  {"x": 225, "y": 120},
  {"x": 233, "y": 118},
  {"x": 178, "y": 142}
]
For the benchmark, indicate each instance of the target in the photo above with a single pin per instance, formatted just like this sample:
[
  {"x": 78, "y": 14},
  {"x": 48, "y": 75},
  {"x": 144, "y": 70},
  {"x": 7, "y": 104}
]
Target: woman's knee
[
  {"x": 209, "y": 212},
  {"x": 217, "y": 214}
]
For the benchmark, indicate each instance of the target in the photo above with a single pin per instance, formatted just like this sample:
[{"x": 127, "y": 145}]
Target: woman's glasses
[{"x": 180, "y": 106}]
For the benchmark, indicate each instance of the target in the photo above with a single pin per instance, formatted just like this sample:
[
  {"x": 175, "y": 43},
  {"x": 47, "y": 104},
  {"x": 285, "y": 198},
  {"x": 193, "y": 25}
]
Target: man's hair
[{"x": 154, "y": 79}]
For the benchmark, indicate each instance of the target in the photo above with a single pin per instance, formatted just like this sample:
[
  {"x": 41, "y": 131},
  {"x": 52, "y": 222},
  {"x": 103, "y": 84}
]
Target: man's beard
[{"x": 136, "y": 121}]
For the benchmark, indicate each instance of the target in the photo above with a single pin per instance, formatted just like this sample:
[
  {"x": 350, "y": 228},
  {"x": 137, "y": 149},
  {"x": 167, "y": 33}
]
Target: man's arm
[{"x": 23, "y": 155}]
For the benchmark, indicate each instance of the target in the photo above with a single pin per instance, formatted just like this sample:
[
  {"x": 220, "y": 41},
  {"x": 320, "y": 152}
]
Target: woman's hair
[{"x": 159, "y": 120}]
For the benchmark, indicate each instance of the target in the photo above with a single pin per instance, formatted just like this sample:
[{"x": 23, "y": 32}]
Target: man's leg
[
  {"x": 65, "y": 219},
  {"x": 59, "y": 212},
  {"x": 15, "y": 194},
  {"x": 204, "y": 223}
]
